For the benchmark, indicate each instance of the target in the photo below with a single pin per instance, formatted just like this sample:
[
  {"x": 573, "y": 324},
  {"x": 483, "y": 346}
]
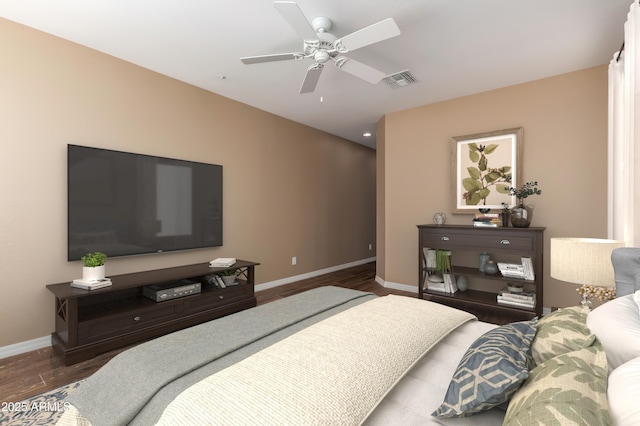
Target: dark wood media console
[{"x": 89, "y": 322}]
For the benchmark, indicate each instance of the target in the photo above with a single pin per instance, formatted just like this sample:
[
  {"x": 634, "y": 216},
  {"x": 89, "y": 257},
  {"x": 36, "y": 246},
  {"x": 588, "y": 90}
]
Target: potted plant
[
  {"x": 229, "y": 276},
  {"x": 93, "y": 266},
  {"x": 520, "y": 216}
]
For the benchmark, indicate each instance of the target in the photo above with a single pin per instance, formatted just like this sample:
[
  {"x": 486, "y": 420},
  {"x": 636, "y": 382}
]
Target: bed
[{"x": 338, "y": 356}]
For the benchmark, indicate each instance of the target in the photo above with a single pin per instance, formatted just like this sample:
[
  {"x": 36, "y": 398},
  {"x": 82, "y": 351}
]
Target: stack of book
[
  {"x": 436, "y": 283},
  {"x": 91, "y": 284},
  {"x": 215, "y": 281},
  {"x": 222, "y": 262},
  {"x": 490, "y": 220},
  {"x": 520, "y": 299},
  {"x": 522, "y": 270},
  {"x": 511, "y": 270},
  {"x": 444, "y": 284}
]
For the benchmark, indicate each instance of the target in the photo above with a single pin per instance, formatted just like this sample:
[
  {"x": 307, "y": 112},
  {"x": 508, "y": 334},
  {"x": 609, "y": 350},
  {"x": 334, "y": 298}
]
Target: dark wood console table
[
  {"x": 505, "y": 244},
  {"x": 89, "y": 322}
]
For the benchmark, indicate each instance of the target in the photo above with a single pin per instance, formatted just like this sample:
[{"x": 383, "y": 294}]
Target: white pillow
[
  {"x": 617, "y": 325},
  {"x": 623, "y": 393}
]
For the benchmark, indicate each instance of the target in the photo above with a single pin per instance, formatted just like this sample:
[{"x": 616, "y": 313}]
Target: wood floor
[{"x": 38, "y": 371}]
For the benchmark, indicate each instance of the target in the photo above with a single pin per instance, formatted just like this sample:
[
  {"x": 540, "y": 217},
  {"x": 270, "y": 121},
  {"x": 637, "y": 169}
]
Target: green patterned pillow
[
  {"x": 568, "y": 389},
  {"x": 491, "y": 370},
  {"x": 561, "y": 331}
]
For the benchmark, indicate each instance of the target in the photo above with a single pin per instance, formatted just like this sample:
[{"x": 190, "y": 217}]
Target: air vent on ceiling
[{"x": 400, "y": 79}]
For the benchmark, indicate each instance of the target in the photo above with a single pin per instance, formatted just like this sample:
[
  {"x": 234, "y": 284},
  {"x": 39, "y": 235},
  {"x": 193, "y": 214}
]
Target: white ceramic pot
[
  {"x": 93, "y": 273},
  {"x": 228, "y": 279}
]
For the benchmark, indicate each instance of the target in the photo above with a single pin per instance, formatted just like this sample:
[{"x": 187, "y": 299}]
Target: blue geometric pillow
[{"x": 491, "y": 371}]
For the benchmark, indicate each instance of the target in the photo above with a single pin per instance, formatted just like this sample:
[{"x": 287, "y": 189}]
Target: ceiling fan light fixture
[{"x": 321, "y": 56}]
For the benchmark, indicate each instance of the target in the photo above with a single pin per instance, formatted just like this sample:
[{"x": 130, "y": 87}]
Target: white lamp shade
[{"x": 583, "y": 260}]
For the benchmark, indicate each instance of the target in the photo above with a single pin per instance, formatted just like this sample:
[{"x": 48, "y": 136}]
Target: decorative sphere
[{"x": 491, "y": 268}]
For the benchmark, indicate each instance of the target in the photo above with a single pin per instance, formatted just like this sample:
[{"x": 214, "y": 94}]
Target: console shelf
[
  {"x": 89, "y": 322},
  {"x": 504, "y": 244}
]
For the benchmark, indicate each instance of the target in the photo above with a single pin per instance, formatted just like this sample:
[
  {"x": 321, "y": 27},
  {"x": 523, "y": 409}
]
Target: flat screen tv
[{"x": 125, "y": 204}]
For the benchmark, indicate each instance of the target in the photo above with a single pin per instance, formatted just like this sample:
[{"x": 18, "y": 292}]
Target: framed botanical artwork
[{"x": 484, "y": 166}]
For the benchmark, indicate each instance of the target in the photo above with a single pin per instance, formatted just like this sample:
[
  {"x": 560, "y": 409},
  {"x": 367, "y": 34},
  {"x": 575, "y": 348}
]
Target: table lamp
[{"x": 585, "y": 261}]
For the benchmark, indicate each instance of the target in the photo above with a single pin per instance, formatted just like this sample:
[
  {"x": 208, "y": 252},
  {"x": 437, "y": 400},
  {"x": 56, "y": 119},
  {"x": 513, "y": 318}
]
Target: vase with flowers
[
  {"x": 521, "y": 215},
  {"x": 589, "y": 292}
]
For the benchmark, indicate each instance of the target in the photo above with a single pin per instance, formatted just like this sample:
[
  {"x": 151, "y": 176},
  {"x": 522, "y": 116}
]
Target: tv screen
[{"x": 126, "y": 204}]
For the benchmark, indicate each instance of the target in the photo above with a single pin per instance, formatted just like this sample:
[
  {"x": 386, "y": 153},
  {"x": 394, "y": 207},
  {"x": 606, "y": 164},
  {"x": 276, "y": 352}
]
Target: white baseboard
[
  {"x": 313, "y": 274},
  {"x": 22, "y": 347},
  {"x": 397, "y": 286}
]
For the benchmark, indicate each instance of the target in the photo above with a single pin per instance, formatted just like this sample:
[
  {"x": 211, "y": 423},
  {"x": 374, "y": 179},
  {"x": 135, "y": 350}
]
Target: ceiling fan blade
[
  {"x": 311, "y": 79},
  {"x": 271, "y": 58},
  {"x": 360, "y": 70},
  {"x": 291, "y": 12},
  {"x": 372, "y": 34}
]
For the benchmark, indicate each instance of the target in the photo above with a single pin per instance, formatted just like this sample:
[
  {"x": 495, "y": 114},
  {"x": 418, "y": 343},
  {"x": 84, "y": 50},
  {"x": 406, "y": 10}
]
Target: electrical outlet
[{"x": 294, "y": 261}]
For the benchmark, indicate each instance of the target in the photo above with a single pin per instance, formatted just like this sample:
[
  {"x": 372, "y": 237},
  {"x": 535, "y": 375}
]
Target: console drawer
[
  {"x": 471, "y": 240},
  {"x": 216, "y": 298},
  {"x": 115, "y": 325}
]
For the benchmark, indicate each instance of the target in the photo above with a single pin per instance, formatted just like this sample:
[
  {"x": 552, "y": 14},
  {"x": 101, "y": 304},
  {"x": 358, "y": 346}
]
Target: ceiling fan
[{"x": 321, "y": 46}]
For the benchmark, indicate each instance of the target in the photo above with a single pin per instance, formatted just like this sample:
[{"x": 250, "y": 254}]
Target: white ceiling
[{"x": 453, "y": 48}]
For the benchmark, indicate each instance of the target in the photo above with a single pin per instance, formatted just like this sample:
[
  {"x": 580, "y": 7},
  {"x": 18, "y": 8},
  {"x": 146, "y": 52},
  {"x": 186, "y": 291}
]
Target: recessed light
[
  {"x": 367, "y": 134},
  {"x": 222, "y": 77}
]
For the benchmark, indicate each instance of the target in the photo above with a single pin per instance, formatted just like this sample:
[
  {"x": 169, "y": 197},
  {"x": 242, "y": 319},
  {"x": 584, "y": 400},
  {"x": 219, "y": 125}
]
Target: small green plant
[
  {"x": 228, "y": 272},
  {"x": 505, "y": 208},
  {"x": 91, "y": 260},
  {"x": 526, "y": 190}
]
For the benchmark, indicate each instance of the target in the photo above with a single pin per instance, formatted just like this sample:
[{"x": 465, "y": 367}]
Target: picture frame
[{"x": 484, "y": 166}]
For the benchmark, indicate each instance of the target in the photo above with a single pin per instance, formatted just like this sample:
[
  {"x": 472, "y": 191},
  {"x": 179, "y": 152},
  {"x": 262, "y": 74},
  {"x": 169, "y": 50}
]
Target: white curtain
[{"x": 624, "y": 135}]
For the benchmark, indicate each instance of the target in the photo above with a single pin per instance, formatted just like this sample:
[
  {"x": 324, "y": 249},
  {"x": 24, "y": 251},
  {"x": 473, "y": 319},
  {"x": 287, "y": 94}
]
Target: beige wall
[
  {"x": 289, "y": 190},
  {"x": 565, "y": 150},
  {"x": 380, "y": 200}
]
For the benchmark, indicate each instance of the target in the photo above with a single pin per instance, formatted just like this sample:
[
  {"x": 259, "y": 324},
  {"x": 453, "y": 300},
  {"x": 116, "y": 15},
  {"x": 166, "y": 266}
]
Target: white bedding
[
  {"x": 333, "y": 372},
  {"x": 422, "y": 390},
  {"x": 421, "y": 385}
]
